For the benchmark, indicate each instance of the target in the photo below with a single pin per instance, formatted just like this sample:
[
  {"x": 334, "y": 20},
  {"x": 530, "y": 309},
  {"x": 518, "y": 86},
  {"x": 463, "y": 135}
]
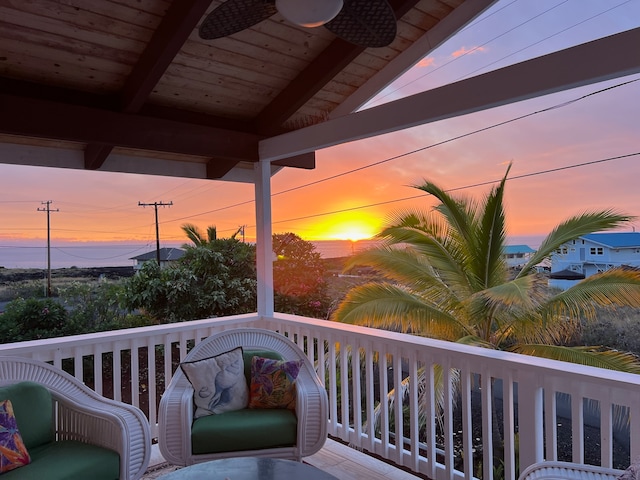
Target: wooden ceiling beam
[
  {"x": 45, "y": 119},
  {"x": 338, "y": 55},
  {"x": 176, "y": 26}
]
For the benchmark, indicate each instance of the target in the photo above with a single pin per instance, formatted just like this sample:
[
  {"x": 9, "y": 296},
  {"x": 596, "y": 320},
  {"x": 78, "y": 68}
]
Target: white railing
[{"x": 499, "y": 413}]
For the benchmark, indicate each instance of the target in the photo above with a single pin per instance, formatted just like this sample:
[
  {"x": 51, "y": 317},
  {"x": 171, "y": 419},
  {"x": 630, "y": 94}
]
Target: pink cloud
[
  {"x": 467, "y": 51},
  {"x": 426, "y": 62}
]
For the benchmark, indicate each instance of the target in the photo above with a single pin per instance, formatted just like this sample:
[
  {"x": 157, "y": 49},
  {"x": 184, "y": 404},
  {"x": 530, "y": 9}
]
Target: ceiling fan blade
[
  {"x": 367, "y": 23},
  {"x": 234, "y": 16}
]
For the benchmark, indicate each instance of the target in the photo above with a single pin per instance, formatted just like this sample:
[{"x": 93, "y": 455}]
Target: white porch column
[{"x": 264, "y": 242}]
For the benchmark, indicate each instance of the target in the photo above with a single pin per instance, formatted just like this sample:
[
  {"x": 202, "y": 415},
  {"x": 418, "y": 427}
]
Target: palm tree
[
  {"x": 198, "y": 239},
  {"x": 444, "y": 276}
]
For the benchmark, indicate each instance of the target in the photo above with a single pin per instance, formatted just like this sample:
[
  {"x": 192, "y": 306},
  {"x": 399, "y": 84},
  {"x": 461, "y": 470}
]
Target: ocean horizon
[
  {"x": 105, "y": 254},
  {"x": 108, "y": 254}
]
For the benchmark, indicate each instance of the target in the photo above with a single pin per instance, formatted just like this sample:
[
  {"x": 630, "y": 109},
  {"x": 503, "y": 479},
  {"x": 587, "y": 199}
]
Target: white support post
[{"x": 264, "y": 241}]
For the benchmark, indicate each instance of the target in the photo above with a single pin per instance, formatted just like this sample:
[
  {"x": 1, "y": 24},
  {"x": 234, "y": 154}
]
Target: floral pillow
[
  {"x": 272, "y": 383},
  {"x": 218, "y": 382},
  {"x": 13, "y": 453}
]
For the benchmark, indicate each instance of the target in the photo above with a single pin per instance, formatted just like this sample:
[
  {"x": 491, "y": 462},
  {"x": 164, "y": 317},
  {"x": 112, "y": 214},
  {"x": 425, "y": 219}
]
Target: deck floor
[{"x": 339, "y": 460}]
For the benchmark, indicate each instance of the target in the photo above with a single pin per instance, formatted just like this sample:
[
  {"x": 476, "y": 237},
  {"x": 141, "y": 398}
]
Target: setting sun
[{"x": 354, "y": 228}]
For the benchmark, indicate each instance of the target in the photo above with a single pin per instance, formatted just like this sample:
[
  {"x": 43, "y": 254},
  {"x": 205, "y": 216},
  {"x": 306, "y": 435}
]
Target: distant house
[
  {"x": 167, "y": 255},
  {"x": 591, "y": 254},
  {"x": 517, "y": 255}
]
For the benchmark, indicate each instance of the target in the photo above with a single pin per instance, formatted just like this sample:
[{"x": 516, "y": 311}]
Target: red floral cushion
[
  {"x": 13, "y": 453},
  {"x": 272, "y": 383}
]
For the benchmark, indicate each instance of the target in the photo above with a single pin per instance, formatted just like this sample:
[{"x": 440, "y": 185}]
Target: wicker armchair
[
  {"x": 176, "y": 412},
  {"x": 567, "y": 470},
  {"x": 80, "y": 414}
]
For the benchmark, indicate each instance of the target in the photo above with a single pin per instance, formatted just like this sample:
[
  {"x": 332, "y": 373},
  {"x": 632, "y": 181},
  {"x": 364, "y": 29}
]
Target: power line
[
  {"x": 417, "y": 150},
  {"x": 475, "y": 49},
  {"x": 464, "y": 187}
]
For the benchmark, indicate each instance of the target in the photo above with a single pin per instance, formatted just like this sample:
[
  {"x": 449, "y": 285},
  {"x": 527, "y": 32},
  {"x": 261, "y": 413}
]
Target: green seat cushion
[
  {"x": 68, "y": 460},
  {"x": 243, "y": 430},
  {"x": 33, "y": 409}
]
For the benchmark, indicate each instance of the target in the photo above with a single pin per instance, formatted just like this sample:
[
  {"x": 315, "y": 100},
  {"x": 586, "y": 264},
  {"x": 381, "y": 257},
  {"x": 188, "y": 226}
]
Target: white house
[{"x": 591, "y": 254}]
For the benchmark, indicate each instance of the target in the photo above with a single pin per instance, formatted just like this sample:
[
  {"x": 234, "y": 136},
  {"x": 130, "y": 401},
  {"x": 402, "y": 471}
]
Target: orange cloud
[
  {"x": 467, "y": 51},
  {"x": 426, "y": 62}
]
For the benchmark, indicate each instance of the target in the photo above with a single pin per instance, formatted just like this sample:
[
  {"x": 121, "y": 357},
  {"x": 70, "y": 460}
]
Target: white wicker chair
[
  {"x": 83, "y": 415},
  {"x": 175, "y": 415},
  {"x": 567, "y": 470}
]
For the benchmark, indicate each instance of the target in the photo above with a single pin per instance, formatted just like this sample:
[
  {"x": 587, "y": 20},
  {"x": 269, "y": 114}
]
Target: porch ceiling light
[{"x": 309, "y": 13}]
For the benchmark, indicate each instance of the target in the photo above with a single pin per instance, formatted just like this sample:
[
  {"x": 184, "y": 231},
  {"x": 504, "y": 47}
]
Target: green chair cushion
[
  {"x": 68, "y": 460},
  {"x": 33, "y": 409},
  {"x": 243, "y": 430}
]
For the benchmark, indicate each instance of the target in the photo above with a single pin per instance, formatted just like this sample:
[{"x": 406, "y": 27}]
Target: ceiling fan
[{"x": 367, "y": 23}]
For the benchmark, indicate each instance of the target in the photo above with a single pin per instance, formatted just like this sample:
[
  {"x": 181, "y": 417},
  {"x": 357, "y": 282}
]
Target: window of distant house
[
  {"x": 562, "y": 250},
  {"x": 597, "y": 251}
]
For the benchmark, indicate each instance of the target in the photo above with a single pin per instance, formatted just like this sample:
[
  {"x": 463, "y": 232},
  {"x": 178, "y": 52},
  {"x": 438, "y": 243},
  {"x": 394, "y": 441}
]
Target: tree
[
  {"x": 197, "y": 237},
  {"x": 445, "y": 277},
  {"x": 299, "y": 281},
  {"x": 34, "y": 319},
  {"x": 214, "y": 278}
]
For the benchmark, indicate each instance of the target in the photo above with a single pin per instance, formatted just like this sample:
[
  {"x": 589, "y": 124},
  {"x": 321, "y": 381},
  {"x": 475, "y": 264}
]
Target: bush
[
  {"x": 33, "y": 319},
  {"x": 215, "y": 279},
  {"x": 96, "y": 307},
  {"x": 619, "y": 329}
]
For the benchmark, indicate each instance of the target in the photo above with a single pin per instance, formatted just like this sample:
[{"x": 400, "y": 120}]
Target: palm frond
[
  {"x": 392, "y": 307},
  {"x": 193, "y": 233},
  {"x": 412, "y": 265},
  {"x": 475, "y": 341},
  {"x": 491, "y": 238},
  {"x": 614, "y": 287},
  {"x": 526, "y": 293},
  {"x": 573, "y": 228},
  {"x": 459, "y": 212},
  {"x": 590, "y": 356}
]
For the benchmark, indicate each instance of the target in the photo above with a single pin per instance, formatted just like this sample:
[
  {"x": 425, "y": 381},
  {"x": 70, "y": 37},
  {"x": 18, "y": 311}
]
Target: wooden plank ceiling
[{"x": 132, "y": 78}]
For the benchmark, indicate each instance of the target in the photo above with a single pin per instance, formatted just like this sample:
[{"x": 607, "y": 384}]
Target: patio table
[{"x": 249, "y": 468}]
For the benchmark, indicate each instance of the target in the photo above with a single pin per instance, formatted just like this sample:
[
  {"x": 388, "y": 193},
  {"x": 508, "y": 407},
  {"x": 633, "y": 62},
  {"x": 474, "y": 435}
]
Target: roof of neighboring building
[
  {"x": 615, "y": 240},
  {"x": 566, "y": 275},
  {"x": 166, "y": 255},
  {"x": 510, "y": 249}
]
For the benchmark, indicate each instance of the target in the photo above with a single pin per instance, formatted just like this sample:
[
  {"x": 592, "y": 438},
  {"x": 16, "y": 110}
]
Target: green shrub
[{"x": 33, "y": 319}]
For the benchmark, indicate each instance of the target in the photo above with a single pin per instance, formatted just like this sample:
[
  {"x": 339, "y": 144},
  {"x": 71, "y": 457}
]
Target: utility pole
[
  {"x": 156, "y": 205},
  {"x": 48, "y": 210}
]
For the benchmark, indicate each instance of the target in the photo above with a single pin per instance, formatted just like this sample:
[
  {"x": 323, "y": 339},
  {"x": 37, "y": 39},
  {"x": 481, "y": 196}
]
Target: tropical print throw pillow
[
  {"x": 13, "y": 453},
  {"x": 272, "y": 383}
]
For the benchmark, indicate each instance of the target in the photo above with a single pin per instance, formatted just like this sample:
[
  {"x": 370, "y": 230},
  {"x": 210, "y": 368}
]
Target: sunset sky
[{"x": 592, "y": 143}]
